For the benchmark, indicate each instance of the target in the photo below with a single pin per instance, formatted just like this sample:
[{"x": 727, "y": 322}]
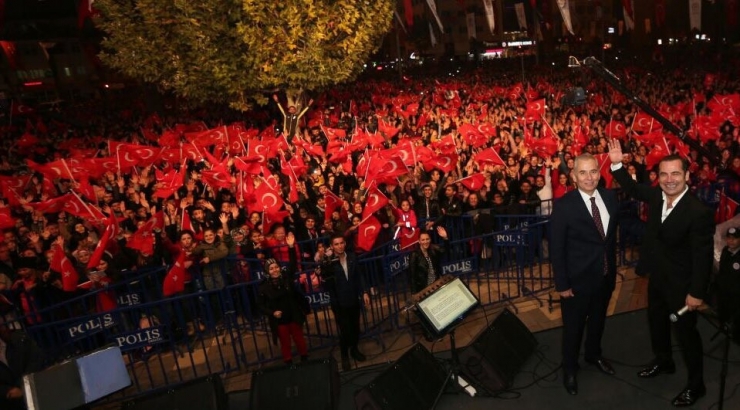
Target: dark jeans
[{"x": 348, "y": 323}]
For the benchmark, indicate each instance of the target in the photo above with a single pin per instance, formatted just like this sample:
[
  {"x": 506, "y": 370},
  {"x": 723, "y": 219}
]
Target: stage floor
[{"x": 538, "y": 385}]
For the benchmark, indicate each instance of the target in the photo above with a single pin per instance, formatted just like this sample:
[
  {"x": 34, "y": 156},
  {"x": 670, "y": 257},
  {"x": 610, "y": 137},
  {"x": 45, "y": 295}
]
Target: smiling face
[
  {"x": 586, "y": 174},
  {"x": 672, "y": 178},
  {"x": 274, "y": 270},
  {"x": 209, "y": 236},
  {"x": 425, "y": 241}
]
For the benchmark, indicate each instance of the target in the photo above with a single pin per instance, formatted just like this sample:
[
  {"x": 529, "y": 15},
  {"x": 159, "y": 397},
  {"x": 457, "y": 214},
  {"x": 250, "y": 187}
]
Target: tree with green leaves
[{"x": 235, "y": 51}]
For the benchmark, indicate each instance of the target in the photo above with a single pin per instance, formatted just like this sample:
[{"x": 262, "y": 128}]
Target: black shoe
[
  {"x": 345, "y": 363},
  {"x": 570, "y": 383},
  {"x": 357, "y": 355},
  {"x": 657, "y": 368},
  {"x": 689, "y": 396},
  {"x": 603, "y": 365}
]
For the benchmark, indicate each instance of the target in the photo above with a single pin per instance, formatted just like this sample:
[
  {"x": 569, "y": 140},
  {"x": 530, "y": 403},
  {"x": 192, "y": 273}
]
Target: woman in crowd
[
  {"x": 280, "y": 300},
  {"x": 425, "y": 261}
]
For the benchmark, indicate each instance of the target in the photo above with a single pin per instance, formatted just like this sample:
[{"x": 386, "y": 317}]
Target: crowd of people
[{"x": 94, "y": 190}]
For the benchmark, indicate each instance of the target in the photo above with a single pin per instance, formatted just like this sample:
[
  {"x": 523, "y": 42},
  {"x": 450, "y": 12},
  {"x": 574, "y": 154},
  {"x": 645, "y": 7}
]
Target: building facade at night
[{"x": 49, "y": 46}]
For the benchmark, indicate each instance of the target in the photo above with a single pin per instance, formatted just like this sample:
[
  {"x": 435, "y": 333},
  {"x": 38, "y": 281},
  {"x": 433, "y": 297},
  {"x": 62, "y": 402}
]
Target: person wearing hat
[
  {"x": 727, "y": 281},
  {"x": 280, "y": 300}
]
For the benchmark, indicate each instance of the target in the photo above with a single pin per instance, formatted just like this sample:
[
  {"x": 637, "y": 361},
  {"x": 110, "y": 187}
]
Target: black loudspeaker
[
  {"x": 313, "y": 385},
  {"x": 413, "y": 382},
  {"x": 497, "y": 354},
  {"x": 206, "y": 393}
]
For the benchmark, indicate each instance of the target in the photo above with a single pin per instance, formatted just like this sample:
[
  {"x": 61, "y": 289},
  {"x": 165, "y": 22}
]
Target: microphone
[{"x": 674, "y": 316}]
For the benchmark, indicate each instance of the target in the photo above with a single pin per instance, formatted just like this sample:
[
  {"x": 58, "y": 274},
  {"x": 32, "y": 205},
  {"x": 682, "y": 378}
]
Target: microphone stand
[
  {"x": 723, "y": 328},
  {"x": 598, "y": 68}
]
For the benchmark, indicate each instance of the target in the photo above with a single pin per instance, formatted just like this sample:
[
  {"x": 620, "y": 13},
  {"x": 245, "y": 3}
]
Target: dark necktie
[
  {"x": 597, "y": 217},
  {"x": 599, "y": 227}
]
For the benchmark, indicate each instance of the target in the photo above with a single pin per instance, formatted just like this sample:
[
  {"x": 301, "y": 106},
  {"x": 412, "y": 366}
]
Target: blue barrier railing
[{"x": 171, "y": 340}]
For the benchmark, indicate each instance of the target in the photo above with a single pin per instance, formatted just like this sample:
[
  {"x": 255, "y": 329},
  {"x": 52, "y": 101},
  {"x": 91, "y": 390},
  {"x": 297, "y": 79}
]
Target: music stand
[{"x": 440, "y": 312}]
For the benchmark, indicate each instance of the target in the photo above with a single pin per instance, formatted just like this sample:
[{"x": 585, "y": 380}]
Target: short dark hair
[
  {"x": 676, "y": 157},
  {"x": 335, "y": 235}
]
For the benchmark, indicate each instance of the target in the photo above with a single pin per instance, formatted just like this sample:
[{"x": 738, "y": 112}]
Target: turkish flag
[
  {"x": 443, "y": 162},
  {"x": 422, "y": 120},
  {"x": 544, "y": 147},
  {"x": 174, "y": 281},
  {"x": 605, "y": 168},
  {"x": 51, "y": 206},
  {"x": 656, "y": 154},
  {"x": 334, "y": 133},
  {"x": 27, "y": 140},
  {"x": 52, "y": 170},
  {"x": 6, "y": 220},
  {"x": 473, "y": 182},
  {"x": 217, "y": 177},
  {"x": 616, "y": 129},
  {"x": 267, "y": 198},
  {"x": 214, "y": 136},
  {"x": 472, "y": 135},
  {"x": 535, "y": 110},
  {"x": 168, "y": 183},
  {"x": 87, "y": 190},
  {"x": 141, "y": 155},
  {"x": 332, "y": 202},
  {"x": 143, "y": 239},
  {"x": 110, "y": 232},
  {"x": 488, "y": 156},
  {"x": 387, "y": 129},
  {"x": 74, "y": 205},
  {"x": 60, "y": 263},
  {"x": 367, "y": 232},
  {"x": 392, "y": 168},
  {"x": 408, "y": 237},
  {"x": 651, "y": 139},
  {"x": 645, "y": 123},
  {"x": 375, "y": 201},
  {"x": 446, "y": 145}
]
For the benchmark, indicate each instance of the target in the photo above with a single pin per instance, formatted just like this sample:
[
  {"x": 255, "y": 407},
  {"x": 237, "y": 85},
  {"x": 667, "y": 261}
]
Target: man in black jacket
[
  {"x": 346, "y": 288},
  {"x": 676, "y": 252},
  {"x": 583, "y": 254}
]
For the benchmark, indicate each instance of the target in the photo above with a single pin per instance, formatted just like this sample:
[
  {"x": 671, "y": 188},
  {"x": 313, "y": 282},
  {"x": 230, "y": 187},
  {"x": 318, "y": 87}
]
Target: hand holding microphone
[
  {"x": 690, "y": 302},
  {"x": 675, "y": 316}
]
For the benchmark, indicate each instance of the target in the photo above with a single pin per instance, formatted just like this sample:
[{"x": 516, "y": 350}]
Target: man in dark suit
[
  {"x": 677, "y": 253},
  {"x": 583, "y": 254},
  {"x": 346, "y": 288}
]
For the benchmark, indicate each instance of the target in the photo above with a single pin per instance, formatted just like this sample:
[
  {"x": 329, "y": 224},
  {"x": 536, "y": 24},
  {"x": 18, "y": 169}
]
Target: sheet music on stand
[{"x": 443, "y": 305}]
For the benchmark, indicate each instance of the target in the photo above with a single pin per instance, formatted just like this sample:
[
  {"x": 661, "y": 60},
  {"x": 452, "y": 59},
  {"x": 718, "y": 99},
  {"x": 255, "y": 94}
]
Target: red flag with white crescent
[
  {"x": 367, "y": 233},
  {"x": 61, "y": 263},
  {"x": 174, "y": 281}
]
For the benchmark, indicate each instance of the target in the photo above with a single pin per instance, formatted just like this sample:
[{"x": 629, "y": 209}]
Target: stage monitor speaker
[
  {"x": 205, "y": 393},
  {"x": 413, "y": 382},
  {"x": 77, "y": 381},
  {"x": 497, "y": 354},
  {"x": 313, "y": 385}
]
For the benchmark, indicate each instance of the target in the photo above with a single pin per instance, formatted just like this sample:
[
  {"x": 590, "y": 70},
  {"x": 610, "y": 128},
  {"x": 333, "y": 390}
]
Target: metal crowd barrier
[{"x": 167, "y": 341}]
